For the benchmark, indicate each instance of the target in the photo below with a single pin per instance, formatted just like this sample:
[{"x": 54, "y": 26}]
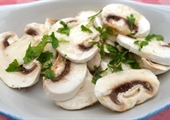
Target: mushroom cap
[
  {"x": 68, "y": 85},
  {"x": 78, "y": 49},
  {"x": 154, "y": 67},
  {"x": 85, "y": 97},
  {"x": 156, "y": 51},
  {"x": 11, "y": 52},
  {"x": 83, "y": 16},
  {"x": 36, "y": 30},
  {"x": 50, "y": 21},
  {"x": 95, "y": 61},
  {"x": 115, "y": 16},
  {"x": 123, "y": 90}
]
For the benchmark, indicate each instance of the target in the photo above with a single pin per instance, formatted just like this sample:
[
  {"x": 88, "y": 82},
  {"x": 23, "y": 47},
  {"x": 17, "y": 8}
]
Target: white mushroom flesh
[
  {"x": 123, "y": 90},
  {"x": 77, "y": 48},
  {"x": 85, "y": 97},
  {"x": 69, "y": 79},
  {"x": 154, "y": 51},
  {"x": 115, "y": 16}
]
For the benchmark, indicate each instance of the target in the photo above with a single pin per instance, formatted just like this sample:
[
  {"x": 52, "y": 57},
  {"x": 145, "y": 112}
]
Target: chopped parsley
[
  {"x": 45, "y": 60},
  {"x": 91, "y": 18},
  {"x": 104, "y": 32},
  {"x": 97, "y": 74},
  {"x": 85, "y": 29},
  {"x": 145, "y": 42},
  {"x": 101, "y": 47},
  {"x": 120, "y": 57},
  {"x": 50, "y": 74},
  {"x": 34, "y": 51},
  {"x": 138, "y": 90},
  {"x": 141, "y": 43},
  {"x": 131, "y": 21},
  {"x": 65, "y": 29},
  {"x": 13, "y": 67}
]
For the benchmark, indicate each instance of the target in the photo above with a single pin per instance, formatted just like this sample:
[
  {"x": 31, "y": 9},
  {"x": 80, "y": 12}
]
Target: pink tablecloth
[{"x": 164, "y": 115}]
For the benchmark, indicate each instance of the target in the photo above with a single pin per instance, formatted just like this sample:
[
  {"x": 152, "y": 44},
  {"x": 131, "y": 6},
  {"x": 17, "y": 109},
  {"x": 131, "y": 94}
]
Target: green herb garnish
[
  {"x": 50, "y": 74},
  {"x": 65, "y": 29},
  {"x": 141, "y": 43},
  {"x": 151, "y": 36},
  {"x": 91, "y": 18},
  {"x": 13, "y": 67},
  {"x": 131, "y": 21},
  {"x": 85, "y": 29},
  {"x": 97, "y": 74},
  {"x": 34, "y": 51}
]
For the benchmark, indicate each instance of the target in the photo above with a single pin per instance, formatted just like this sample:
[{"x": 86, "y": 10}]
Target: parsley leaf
[
  {"x": 141, "y": 43},
  {"x": 65, "y": 29},
  {"x": 91, "y": 18},
  {"x": 85, "y": 29},
  {"x": 131, "y": 21},
  {"x": 13, "y": 67},
  {"x": 34, "y": 51},
  {"x": 97, "y": 74},
  {"x": 104, "y": 32},
  {"x": 45, "y": 56},
  {"x": 46, "y": 65},
  {"x": 101, "y": 47},
  {"x": 151, "y": 36},
  {"x": 50, "y": 74}
]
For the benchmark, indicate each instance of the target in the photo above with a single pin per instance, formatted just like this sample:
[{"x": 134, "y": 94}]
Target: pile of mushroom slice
[
  {"x": 76, "y": 59},
  {"x": 12, "y": 47}
]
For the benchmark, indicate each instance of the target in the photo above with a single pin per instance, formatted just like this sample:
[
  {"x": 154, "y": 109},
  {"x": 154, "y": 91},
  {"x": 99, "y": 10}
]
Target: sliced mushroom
[
  {"x": 29, "y": 74},
  {"x": 95, "y": 61},
  {"x": 123, "y": 90},
  {"x": 8, "y": 38},
  {"x": 115, "y": 16},
  {"x": 36, "y": 30},
  {"x": 154, "y": 67},
  {"x": 50, "y": 21},
  {"x": 85, "y": 97},
  {"x": 69, "y": 79},
  {"x": 77, "y": 48},
  {"x": 84, "y": 17},
  {"x": 156, "y": 51}
]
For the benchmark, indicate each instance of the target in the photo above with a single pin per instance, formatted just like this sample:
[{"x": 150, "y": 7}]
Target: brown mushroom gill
[
  {"x": 117, "y": 18},
  {"x": 84, "y": 48},
  {"x": 31, "y": 32},
  {"x": 27, "y": 71},
  {"x": 167, "y": 45},
  {"x": 125, "y": 87},
  {"x": 5, "y": 42},
  {"x": 65, "y": 71}
]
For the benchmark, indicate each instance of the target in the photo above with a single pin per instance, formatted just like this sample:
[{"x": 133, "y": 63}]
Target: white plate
[{"x": 33, "y": 103}]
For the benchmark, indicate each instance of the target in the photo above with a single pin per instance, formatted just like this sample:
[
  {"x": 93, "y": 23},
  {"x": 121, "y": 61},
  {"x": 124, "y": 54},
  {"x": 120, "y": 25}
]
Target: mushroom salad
[{"x": 106, "y": 56}]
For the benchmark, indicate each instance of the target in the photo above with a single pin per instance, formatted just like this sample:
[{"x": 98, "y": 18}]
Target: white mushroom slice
[
  {"x": 85, "y": 97},
  {"x": 156, "y": 51},
  {"x": 84, "y": 17},
  {"x": 115, "y": 16},
  {"x": 123, "y": 90},
  {"x": 154, "y": 67},
  {"x": 36, "y": 30},
  {"x": 77, "y": 48},
  {"x": 50, "y": 21},
  {"x": 8, "y": 38},
  {"x": 95, "y": 61},
  {"x": 104, "y": 66},
  {"x": 29, "y": 74},
  {"x": 69, "y": 79}
]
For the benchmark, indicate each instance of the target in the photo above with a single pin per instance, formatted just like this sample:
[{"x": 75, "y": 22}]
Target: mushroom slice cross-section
[
  {"x": 69, "y": 79},
  {"x": 115, "y": 16},
  {"x": 123, "y": 90},
  {"x": 28, "y": 74},
  {"x": 85, "y": 97},
  {"x": 156, "y": 51},
  {"x": 77, "y": 45},
  {"x": 154, "y": 67}
]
